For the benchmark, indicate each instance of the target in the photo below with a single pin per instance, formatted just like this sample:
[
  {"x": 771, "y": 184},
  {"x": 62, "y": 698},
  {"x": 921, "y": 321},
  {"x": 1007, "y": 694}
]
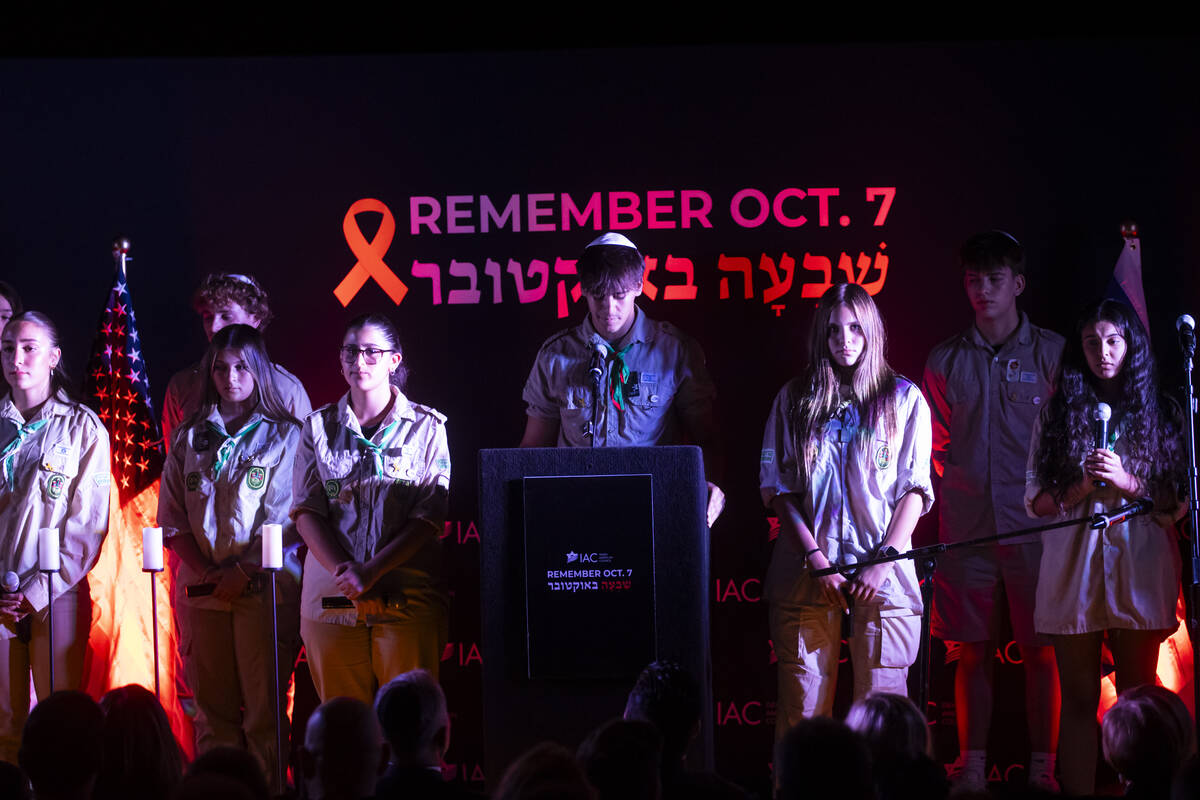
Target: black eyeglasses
[{"x": 349, "y": 354}]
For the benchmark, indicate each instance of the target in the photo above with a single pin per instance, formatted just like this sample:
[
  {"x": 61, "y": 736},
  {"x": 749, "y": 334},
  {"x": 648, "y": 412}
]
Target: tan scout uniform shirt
[
  {"x": 984, "y": 403},
  {"x": 224, "y": 511},
  {"x": 185, "y": 393},
  {"x": 849, "y": 498},
  {"x": 59, "y": 479},
  {"x": 666, "y": 367},
  {"x": 367, "y": 494}
]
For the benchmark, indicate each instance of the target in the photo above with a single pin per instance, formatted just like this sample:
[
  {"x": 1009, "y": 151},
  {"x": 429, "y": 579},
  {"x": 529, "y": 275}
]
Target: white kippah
[
  {"x": 233, "y": 276},
  {"x": 613, "y": 239}
]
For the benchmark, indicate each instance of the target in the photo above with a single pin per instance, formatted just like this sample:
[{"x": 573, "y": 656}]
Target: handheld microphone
[
  {"x": 1102, "y": 415},
  {"x": 1186, "y": 326},
  {"x": 10, "y": 582},
  {"x": 1143, "y": 505}
]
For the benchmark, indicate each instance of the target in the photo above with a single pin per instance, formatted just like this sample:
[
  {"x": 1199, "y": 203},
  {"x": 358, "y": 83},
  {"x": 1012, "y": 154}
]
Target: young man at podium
[{"x": 619, "y": 378}]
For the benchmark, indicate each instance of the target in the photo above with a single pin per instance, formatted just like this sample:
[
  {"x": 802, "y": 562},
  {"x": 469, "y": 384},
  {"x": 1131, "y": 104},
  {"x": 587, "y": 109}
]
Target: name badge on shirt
[
  {"x": 1028, "y": 377},
  {"x": 58, "y": 456}
]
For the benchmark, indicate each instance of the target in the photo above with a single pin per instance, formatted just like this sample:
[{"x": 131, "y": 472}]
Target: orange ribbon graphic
[{"x": 370, "y": 262}]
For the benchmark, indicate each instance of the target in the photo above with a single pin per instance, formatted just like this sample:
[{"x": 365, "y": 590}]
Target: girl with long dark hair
[
  {"x": 372, "y": 476},
  {"x": 229, "y": 472},
  {"x": 54, "y": 454},
  {"x": 845, "y": 466},
  {"x": 1119, "y": 583}
]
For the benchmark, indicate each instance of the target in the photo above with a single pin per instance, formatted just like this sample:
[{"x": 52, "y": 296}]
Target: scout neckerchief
[
  {"x": 230, "y": 444},
  {"x": 376, "y": 450},
  {"x": 9, "y": 456},
  {"x": 618, "y": 376}
]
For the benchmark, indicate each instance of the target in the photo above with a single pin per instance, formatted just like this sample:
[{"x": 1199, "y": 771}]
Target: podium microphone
[
  {"x": 596, "y": 370},
  {"x": 1102, "y": 415}
]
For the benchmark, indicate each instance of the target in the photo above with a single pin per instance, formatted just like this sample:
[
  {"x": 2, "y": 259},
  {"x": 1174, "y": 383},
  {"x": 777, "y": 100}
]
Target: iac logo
[{"x": 588, "y": 558}]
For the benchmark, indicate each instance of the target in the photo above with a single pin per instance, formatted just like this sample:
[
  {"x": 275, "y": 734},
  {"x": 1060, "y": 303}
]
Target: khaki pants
[
  {"x": 355, "y": 660},
  {"x": 808, "y": 643},
  {"x": 28, "y": 652},
  {"x": 227, "y": 661}
]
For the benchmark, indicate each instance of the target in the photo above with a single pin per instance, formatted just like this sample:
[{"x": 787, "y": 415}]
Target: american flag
[
  {"x": 118, "y": 390},
  {"x": 121, "y": 640}
]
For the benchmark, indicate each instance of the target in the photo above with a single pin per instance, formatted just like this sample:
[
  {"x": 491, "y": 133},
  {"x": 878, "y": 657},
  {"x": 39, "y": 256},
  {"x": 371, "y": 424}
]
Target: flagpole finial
[
  {"x": 1129, "y": 229},
  {"x": 120, "y": 251}
]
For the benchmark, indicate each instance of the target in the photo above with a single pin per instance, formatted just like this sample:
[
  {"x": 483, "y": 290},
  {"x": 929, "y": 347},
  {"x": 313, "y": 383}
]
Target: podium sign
[{"x": 589, "y": 575}]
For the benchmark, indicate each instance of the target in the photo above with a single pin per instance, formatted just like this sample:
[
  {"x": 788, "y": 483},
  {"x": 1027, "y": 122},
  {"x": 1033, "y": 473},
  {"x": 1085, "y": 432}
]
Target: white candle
[
  {"x": 152, "y": 550},
  {"x": 272, "y": 540},
  {"x": 48, "y": 560}
]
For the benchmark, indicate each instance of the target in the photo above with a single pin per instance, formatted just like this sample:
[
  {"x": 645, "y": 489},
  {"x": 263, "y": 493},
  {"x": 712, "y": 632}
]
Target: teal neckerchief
[
  {"x": 230, "y": 444},
  {"x": 376, "y": 450},
  {"x": 619, "y": 375},
  {"x": 9, "y": 456}
]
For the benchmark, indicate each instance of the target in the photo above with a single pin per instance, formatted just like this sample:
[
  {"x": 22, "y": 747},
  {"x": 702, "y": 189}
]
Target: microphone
[
  {"x": 1102, "y": 415},
  {"x": 1187, "y": 334},
  {"x": 11, "y": 582},
  {"x": 1143, "y": 505},
  {"x": 596, "y": 370}
]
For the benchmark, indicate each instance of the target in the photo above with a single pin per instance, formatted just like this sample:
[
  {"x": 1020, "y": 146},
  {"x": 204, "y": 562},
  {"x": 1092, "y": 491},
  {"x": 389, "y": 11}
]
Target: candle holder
[
  {"x": 152, "y": 564},
  {"x": 272, "y": 561},
  {"x": 49, "y": 564}
]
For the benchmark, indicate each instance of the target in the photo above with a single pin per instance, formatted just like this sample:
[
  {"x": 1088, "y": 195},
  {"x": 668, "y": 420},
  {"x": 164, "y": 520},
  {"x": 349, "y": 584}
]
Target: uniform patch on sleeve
[
  {"x": 883, "y": 456},
  {"x": 332, "y": 488},
  {"x": 767, "y": 457},
  {"x": 192, "y": 481},
  {"x": 442, "y": 463},
  {"x": 55, "y": 485}
]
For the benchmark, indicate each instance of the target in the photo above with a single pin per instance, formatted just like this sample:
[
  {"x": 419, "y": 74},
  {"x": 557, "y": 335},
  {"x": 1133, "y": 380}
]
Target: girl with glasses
[{"x": 370, "y": 494}]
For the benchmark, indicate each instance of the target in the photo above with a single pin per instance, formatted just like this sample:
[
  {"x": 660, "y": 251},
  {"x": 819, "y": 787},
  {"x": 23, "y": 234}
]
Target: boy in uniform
[
  {"x": 655, "y": 387},
  {"x": 227, "y": 299},
  {"x": 985, "y": 388}
]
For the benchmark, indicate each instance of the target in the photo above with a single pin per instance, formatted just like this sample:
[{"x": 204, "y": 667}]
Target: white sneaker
[
  {"x": 963, "y": 777},
  {"x": 1045, "y": 782}
]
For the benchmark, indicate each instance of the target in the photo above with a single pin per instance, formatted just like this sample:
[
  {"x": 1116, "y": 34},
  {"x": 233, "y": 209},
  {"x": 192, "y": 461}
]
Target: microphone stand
[
  {"x": 1189, "y": 351},
  {"x": 925, "y": 561},
  {"x": 596, "y": 370}
]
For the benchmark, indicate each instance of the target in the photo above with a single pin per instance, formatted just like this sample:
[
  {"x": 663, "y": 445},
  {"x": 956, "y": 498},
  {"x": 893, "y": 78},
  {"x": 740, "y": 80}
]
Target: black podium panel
[
  {"x": 567, "y": 515},
  {"x": 583, "y": 588}
]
